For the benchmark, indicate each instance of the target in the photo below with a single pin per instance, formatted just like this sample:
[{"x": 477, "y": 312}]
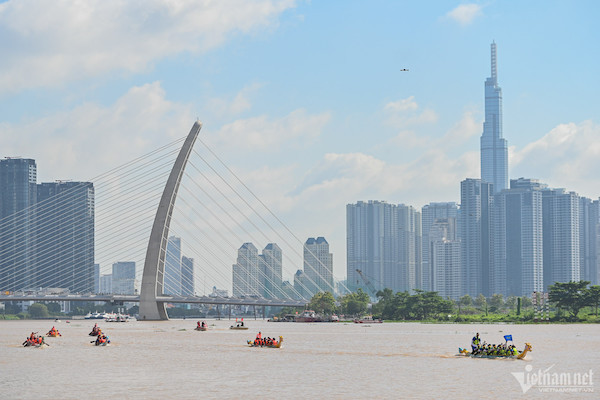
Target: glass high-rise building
[
  {"x": 271, "y": 269},
  {"x": 246, "y": 279},
  {"x": 383, "y": 242},
  {"x": 494, "y": 149},
  {"x": 64, "y": 247},
  {"x": 430, "y": 213},
  {"x": 518, "y": 247},
  {"x": 187, "y": 276},
  {"x": 475, "y": 231},
  {"x": 173, "y": 266},
  {"x": 18, "y": 193},
  {"x": 589, "y": 242},
  {"x": 318, "y": 265},
  {"x": 560, "y": 236},
  {"x": 123, "y": 277}
]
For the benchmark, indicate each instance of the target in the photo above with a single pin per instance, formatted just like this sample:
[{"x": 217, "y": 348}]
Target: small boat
[
  {"x": 308, "y": 316},
  {"x": 520, "y": 356},
  {"x": 273, "y": 345},
  {"x": 95, "y": 332},
  {"x": 201, "y": 326},
  {"x": 53, "y": 333},
  {"x": 368, "y": 320},
  {"x": 37, "y": 341},
  {"x": 95, "y": 315},
  {"x": 102, "y": 341},
  {"x": 239, "y": 325}
]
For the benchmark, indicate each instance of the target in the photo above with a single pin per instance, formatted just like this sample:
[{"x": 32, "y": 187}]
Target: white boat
[{"x": 95, "y": 315}]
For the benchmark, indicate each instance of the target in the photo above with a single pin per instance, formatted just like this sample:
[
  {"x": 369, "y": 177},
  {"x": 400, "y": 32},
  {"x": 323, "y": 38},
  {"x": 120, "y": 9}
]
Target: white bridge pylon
[{"x": 151, "y": 309}]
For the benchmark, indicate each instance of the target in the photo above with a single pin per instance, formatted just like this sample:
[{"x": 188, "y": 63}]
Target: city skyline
[{"x": 313, "y": 112}]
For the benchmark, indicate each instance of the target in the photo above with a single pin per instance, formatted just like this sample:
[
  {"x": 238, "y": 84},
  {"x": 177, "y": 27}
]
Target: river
[{"x": 170, "y": 360}]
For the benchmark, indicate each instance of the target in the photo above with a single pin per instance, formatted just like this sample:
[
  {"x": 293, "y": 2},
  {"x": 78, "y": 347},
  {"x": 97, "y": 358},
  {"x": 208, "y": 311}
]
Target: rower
[{"x": 475, "y": 342}]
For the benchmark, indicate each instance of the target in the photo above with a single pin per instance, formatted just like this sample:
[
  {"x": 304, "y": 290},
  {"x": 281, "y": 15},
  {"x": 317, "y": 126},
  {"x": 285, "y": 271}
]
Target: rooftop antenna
[{"x": 494, "y": 68}]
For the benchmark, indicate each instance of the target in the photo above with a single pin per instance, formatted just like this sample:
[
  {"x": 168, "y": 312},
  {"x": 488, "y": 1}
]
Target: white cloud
[
  {"x": 464, "y": 14},
  {"x": 49, "y": 43},
  {"x": 464, "y": 129},
  {"x": 568, "y": 156},
  {"x": 224, "y": 107},
  {"x": 266, "y": 135},
  {"x": 91, "y": 139},
  {"x": 406, "y": 112}
]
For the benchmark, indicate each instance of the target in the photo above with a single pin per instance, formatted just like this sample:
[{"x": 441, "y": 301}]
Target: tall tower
[
  {"x": 318, "y": 265},
  {"x": 18, "y": 188},
  {"x": 494, "y": 149}
]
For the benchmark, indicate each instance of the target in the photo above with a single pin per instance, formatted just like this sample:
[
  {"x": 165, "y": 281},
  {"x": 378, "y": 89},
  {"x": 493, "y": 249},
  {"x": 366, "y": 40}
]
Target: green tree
[
  {"x": 570, "y": 296},
  {"x": 465, "y": 301},
  {"x": 511, "y": 302},
  {"x": 496, "y": 302},
  {"x": 481, "y": 302},
  {"x": 593, "y": 293},
  {"x": 53, "y": 308},
  {"x": 355, "y": 303},
  {"x": 38, "y": 310},
  {"x": 323, "y": 303},
  {"x": 385, "y": 304}
]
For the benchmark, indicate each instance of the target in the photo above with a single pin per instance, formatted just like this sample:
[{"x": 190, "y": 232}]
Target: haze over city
[{"x": 306, "y": 101}]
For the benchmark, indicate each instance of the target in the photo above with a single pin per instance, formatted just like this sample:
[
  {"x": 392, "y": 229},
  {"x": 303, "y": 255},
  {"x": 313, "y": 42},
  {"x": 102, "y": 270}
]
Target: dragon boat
[
  {"x": 36, "y": 342},
  {"x": 53, "y": 333},
  {"x": 520, "y": 356},
  {"x": 274, "y": 345}
]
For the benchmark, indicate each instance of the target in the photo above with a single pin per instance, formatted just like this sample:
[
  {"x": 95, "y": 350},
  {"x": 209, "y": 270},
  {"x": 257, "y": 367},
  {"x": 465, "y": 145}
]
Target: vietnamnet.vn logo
[{"x": 552, "y": 381}]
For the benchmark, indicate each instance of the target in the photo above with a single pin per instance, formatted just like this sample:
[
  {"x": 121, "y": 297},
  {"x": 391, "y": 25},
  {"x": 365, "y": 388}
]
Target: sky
[{"x": 306, "y": 100}]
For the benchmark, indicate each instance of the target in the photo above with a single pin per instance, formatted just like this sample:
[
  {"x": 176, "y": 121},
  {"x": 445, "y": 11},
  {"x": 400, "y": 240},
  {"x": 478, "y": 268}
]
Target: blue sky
[{"x": 305, "y": 99}]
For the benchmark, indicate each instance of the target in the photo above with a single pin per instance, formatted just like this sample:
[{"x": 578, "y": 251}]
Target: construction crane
[{"x": 368, "y": 283}]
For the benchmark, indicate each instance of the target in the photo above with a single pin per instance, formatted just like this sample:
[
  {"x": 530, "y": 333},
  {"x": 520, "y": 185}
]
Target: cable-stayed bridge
[{"x": 178, "y": 215}]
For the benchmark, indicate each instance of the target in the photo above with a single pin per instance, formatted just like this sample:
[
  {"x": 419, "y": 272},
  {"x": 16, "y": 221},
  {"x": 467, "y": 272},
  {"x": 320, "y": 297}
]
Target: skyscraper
[
  {"x": 371, "y": 244},
  {"x": 518, "y": 251},
  {"x": 444, "y": 257},
  {"x": 476, "y": 236},
  {"x": 18, "y": 193},
  {"x": 494, "y": 149},
  {"x": 271, "y": 270},
  {"x": 173, "y": 266},
  {"x": 384, "y": 243},
  {"x": 123, "y": 277},
  {"x": 64, "y": 248},
  {"x": 187, "y": 276},
  {"x": 430, "y": 213},
  {"x": 589, "y": 242},
  {"x": 318, "y": 265},
  {"x": 560, "y": 236},
  {"x": 246, "y": 273}
]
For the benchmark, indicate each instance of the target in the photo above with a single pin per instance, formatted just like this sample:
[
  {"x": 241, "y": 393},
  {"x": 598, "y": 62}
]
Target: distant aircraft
[{"x": 404, "y": 69}]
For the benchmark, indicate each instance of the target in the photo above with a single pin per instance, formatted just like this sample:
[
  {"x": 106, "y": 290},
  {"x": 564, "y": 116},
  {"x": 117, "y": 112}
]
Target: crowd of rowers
[
  {"x": 260, "y": 341},
  {"x": 34, "y": 340},
  {"x": 53, "y": 332},
  {"x": 486, "y": 349}
]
